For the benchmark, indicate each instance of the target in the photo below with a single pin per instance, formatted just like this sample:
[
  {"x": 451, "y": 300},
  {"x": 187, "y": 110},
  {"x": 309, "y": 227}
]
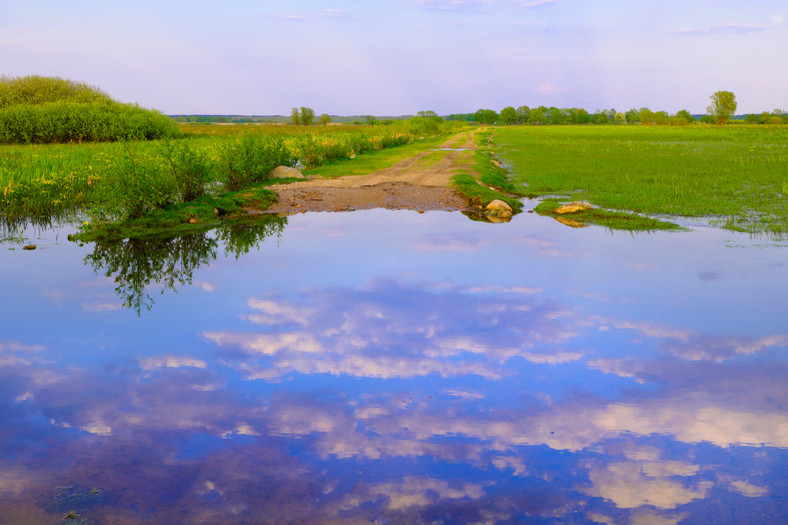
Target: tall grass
[{"x": 736, "y": 171}]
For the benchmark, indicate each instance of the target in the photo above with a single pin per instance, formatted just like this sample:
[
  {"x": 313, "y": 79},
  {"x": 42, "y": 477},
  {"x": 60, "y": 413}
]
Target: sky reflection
[{"x": 405, "y": 384}]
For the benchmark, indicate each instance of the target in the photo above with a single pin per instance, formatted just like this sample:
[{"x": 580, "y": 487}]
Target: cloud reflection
[{"x": 467, "y": 403}]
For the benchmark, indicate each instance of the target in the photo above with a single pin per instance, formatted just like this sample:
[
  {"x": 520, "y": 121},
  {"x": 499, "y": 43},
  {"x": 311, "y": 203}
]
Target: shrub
[
  {"x": 133, "y": 186},
  {"x": 190, "y": 170},
  {"x": 250, "y": 160},
  {"x": 46, "y": 110}
]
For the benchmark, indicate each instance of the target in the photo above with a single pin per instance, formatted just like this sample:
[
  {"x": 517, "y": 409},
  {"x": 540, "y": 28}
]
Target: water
[{"x": 395, "y": 367}]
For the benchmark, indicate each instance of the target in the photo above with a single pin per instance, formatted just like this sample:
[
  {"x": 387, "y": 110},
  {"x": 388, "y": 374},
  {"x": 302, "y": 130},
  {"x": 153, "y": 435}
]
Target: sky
[{"x": 397, "y": 57}]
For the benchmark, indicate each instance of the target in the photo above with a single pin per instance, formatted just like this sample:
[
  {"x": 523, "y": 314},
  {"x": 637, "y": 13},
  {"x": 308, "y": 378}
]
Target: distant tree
[
  {"x": 582, "y": 116},
  {"x": 557, "y": 115},
  {"x": 611, "y": 114},
  {"x": 632, "y": 115},
  {"x": 371, "y": 121},
  {"x": 685, "y": 115},
  {"x": 307, "y": 116},
  {"x": 661, "y": 118},
  {"x": 508, "y": 115},
  {"x": 752, "y": 118},
  {"x": 600, "y": 117},
  {"x": 324, "y": 119},
  {"x": 620, "y": 118},
  {"x": 485, "y": 116},
  {"x": 295, "y": 117},
  {"x": 723, "y": 106},
  {"x": 522, "y": 114},
  {"x": 645, "y": 116},
  {"x": 538, "y": 115},
  {"x": 429, "y": 114},
  {"x": 707, "y": 119}
]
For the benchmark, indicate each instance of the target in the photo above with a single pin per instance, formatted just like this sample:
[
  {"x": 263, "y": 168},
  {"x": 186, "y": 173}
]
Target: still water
[{"x": 395, "y": 367}]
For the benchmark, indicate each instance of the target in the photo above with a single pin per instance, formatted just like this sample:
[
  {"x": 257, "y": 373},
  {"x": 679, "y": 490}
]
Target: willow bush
[{"x": 42, "y": 110}]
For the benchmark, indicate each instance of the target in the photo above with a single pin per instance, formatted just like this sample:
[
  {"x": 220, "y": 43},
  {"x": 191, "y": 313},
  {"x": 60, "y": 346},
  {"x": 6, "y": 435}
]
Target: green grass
[{"x": 736, "y": 174}]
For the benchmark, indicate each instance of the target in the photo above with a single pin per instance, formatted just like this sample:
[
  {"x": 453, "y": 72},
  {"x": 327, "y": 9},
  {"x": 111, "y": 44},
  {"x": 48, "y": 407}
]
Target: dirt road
[{"x": 411, "y": 184}]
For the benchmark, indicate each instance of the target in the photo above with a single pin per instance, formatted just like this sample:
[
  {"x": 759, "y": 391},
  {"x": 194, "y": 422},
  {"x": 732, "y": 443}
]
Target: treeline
[
  {"x": 553, "y": 115},
  {"x": 35, "y": 109}
]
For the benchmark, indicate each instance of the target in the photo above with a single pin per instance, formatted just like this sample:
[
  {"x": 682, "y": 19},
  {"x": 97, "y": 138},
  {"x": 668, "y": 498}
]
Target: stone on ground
[{"x": 285, "y": 172}]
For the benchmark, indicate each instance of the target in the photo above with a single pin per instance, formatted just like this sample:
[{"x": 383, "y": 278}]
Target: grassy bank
[{"x": 738, "y": 175}]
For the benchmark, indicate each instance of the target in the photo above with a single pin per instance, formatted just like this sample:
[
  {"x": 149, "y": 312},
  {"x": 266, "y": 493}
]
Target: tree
[
  {"x": 723, "y": 106},
  {"x": 632, "y": 115},
  {"x": 485, "y": 116},
  {"x": 661, "y": 117},
  {"x": 620, "y": 118},
  {"x": 522, "y": 114},
  {"x": 295, "y": 117},
  {"x": 685, "y": 115},
  {"x": 509, "y": 115},
  {"x": 429, "y": 114},
  {"x": 324, "y": 119},
  {"x": 307, "y": 116},
  {"x": 537, "y": 115},
  {"x": 557, "y": 115},
  {"x": 582, "y": 116},
  {"x": 646, "y": 116}
]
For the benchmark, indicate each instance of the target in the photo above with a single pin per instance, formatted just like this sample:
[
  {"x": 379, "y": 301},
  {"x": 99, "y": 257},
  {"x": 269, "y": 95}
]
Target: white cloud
[
  {"x": 721, "y": 29},
  {"x": 538, "y": 3},
  {"x": 16, "y": 346},
  {"x": 152, "y": 363},
  {"x": 331, "y": 13}
]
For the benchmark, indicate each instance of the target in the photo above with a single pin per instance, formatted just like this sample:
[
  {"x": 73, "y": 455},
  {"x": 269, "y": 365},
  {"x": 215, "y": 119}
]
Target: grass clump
[
  {"x": 614, "y": 220},
  {"x": 479, "y": 195}
]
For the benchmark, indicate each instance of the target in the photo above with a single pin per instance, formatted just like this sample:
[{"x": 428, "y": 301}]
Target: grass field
[{"x": 737, "y": 175}]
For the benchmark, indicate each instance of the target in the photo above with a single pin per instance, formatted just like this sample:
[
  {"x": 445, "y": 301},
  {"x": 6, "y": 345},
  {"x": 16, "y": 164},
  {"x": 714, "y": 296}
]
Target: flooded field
[{"x": 396, "y": 367}]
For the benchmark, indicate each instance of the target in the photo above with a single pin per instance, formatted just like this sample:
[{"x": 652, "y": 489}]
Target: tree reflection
[{"x": 170, "y": 262}]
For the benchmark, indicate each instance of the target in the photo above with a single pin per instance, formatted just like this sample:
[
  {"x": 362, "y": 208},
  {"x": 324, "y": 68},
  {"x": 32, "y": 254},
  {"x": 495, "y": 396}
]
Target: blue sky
[{"x": 395, "y": 57}]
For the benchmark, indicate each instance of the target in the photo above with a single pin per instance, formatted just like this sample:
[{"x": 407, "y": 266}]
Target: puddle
[{"x": 397, "y": 367}]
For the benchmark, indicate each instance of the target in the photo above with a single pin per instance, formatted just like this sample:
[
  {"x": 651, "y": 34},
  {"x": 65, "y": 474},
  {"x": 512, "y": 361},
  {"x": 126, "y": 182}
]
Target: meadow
[{"x": 735, "y": 175}]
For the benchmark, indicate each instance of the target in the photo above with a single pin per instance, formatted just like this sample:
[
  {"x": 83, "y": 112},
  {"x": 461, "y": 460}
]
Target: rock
[
  {"x": 574, "y": 207},
  {"x": 499, "y": 205},
  {"x": 499, "y": 209},
  {"x": 284, "y": 172},
  {"x": 29, "y": 247}
]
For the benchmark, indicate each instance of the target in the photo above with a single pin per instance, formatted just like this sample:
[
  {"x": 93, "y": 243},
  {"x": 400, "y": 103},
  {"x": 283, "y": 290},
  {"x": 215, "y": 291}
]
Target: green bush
[
  {"x": 191, "y": 170},
  {"x": 36, "y": 90},
  {"x": 134, "y": 186},
  {"x": 250, "y": 160},
  {"x": 47, "y": 110}
]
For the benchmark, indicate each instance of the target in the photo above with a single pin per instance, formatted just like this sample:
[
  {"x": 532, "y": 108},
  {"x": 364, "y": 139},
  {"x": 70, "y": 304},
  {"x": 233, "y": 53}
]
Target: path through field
[{"x": 413, "y": 184}]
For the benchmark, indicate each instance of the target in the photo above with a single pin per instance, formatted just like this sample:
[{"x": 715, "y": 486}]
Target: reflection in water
[
  {"x": 171, "y": 261},
  {"x": 405, "y": 397}
]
